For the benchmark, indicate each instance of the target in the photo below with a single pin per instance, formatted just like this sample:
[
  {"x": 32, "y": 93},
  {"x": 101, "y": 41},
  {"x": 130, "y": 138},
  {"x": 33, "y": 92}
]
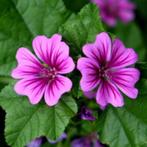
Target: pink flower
[
  {"x": 42, "y": 76},
  {"x": 111, "y": 10},
  {"x": 105, "y": 70}
]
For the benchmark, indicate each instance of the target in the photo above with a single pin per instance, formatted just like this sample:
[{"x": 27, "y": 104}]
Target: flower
[
  {"x": 39, "y": 141},
  {"x": 87, "y": 141},
  {"x": 35, "y": 143},
  {"x": 111, "y": 10},
  {"x": 63, "y": 136},
  {"x": 42, "y": 76},
  {"x": 86, "y": 114},
  {"x": 89, "y": 94},
  {"x": 106, "y": 70}
]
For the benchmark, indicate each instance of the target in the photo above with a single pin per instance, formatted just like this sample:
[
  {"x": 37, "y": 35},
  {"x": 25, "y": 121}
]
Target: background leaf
[
  {"x": 132, "y": 38},
  {"x": 83, "y": 27},
  {"x": 13, "y": 32},
  {"x": 21, "y": 20},
  {"x": 126, "y": 126},
  {"x": 24, "y": 122},
  {"x": 42, "y": 17}
]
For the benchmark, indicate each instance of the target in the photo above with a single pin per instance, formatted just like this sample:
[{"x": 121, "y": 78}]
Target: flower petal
[
  {"x": 40, "y": 46},
  {"x": 32, "y": 87},
  {"x": 86, "y": 63},
  {"x": 25, "y": 57},
  {"x": 56, "y": 88},
  {"x": 54, "y": 52},
  {"x": 103, "y": 44},
  {"x": 126, "y": 5},
  {"x": 66, "y": 66},
  {"x": 125, "y": 79},
  {"x": 90, "y": 94},
  {"x": 122, "y": 56},
  {"x": 62, "y": 137},
  {"x": 126, "y": 16},
  {"x": 108, "y": 93},
  {"x": 89, "y": 70},
  {"x": 35, "y": 143},
  {"x": 28, "y": 65},
  {"x": 100, "y": 50},
  {"x": 60, "y": 58},
  {"x": 60, "y": 50},
  {"x": 24, "y": 72},
  {"x": 110, "y": 20}
]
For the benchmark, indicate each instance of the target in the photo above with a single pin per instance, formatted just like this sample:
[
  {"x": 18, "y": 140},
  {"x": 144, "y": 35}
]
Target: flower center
[
  {"x": 48, "y": 72},
  {"x": 103, "y": 73}
]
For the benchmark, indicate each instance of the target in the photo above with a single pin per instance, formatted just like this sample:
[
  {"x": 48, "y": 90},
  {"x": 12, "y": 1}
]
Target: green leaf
[
  {"x": 5, "y": 69},
  {"x": 126, "y": 126},
  {"x": 5, "y": 72},
  {"x": 83, "y": 27},
  {"x": 132, "y": 38},
  {"x": 42, "y": 17},
  {"x": 13, "y": 32},
  {"x": 24, "y": 121},
  {"x": 21, "y": 20}
]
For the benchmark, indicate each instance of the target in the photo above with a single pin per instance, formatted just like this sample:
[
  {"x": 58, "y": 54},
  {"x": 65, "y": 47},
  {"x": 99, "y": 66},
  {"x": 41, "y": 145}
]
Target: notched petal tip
[
  {"x": 71, "y": 64},
  {"x": 117, "y": 43},
  {"x": 33, "y": 103},
  {"x": 39, "y": 38},
  {"x": 104, "y": 36},
  {"x": 109, "y": 93},
  {"x": 56, "y": 89},
  {"x": 133, "y": 53},
  {"x": 135, "y": 93},
  {"x": 50, "y": 104},
  {"x": 79, "y": 63},
  {"x": 104, "y": 44},
  {"x": 135, "y": 74},
  {"x": 87, "y": 49},
  {"x": 57, "y": 37},
  {"x": 18, "y": 89},
  {"x": 117, "y": 104},
  {"x": 14, "y": 73},
  {"x": 20, "y": 51}
]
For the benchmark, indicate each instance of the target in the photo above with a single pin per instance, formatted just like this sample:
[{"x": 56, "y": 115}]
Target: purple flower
[
  {"x": 42, "y": 76},
  {"x": 87, "y": 141},
  {"x": 63, "y": 136},
  {"x": 111, "y": 10},
  {"x": 89, "y": 94},
  {"x": 105, "y": 70},
  {"x": 80, "y": 142},
  {"x": 35, "y": 143},
  {"x": 86, "y": 114}
]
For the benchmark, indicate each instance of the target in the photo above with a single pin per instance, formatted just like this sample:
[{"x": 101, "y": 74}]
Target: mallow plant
[{"x": 66, "y": 80}]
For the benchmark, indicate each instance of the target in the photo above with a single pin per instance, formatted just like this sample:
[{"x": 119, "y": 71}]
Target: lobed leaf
[
  {"x": 83, "y": 27},
  {"x": 24, "y": 121},
  {"x": 126, "y": 126}
]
